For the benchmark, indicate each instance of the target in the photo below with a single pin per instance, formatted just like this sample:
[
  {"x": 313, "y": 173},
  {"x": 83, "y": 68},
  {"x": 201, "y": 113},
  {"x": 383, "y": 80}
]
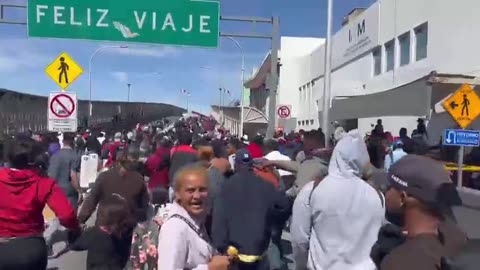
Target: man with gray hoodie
[{"x": 345, "y": 213}]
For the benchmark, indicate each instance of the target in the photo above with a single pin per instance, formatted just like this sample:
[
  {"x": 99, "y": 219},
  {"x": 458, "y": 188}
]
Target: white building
[{"x": 395, "y": 60}]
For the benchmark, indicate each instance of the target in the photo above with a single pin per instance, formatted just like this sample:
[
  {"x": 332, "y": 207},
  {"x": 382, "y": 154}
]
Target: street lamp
[
  {"x": 129, "y": 84},
  {"x": 242, "y": 83},
  {"x": 128, "y": 96},
  {"x": 90, "y": 75},
  {"x": 221, "y": 91}
]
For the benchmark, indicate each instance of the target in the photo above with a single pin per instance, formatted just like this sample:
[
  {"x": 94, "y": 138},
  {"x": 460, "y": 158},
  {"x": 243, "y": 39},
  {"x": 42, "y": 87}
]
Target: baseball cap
[
  {"x": 118, "y": 135},
  {"x": 424, "y": 179},
  {"x": 243, "y": 156}
]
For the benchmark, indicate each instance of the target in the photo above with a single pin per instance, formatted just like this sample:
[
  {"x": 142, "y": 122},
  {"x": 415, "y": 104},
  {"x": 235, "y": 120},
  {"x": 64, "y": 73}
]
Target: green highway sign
[{"x": 172, "y": 22}]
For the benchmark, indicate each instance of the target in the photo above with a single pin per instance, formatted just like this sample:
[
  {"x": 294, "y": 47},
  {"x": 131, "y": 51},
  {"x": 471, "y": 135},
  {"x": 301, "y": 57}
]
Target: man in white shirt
[
  {"x": 271, "y": 150},
  {"x": 272, "y": 153}
]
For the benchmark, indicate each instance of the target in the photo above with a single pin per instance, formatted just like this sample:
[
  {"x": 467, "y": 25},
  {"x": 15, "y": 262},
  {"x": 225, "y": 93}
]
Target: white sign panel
[
  {"x": 62, "y": 112},
  {"x": 88, "y": 170}
]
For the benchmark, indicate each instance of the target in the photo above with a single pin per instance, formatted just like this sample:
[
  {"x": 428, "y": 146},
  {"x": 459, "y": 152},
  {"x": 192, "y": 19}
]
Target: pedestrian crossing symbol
[
  {"x": 463, "y": 106},
  {"x": 63, "y": 70}
]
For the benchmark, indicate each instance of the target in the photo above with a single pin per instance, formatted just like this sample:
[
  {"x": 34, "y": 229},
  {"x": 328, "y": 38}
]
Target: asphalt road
[
  {"x": 77, "y": 260},
  {"x": 468, "y": 219}
]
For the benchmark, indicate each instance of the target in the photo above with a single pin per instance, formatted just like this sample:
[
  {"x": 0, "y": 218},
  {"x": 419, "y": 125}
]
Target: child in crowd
[
  {"x": 145, "y": 236},
  {"x": 102, "y": 241}
]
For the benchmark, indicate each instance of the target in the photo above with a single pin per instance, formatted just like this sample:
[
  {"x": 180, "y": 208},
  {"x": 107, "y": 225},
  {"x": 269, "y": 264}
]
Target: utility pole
[{"x": 327, "y": 76}]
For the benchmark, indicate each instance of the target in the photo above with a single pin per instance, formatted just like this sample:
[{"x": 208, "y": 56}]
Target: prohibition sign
[
  {"x": 283, "y": 111},
  {"x": 56, "y": 100}
]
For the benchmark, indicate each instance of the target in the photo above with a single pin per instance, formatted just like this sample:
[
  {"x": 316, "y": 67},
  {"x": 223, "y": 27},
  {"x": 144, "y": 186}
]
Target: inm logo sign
[{"x": 360, "y": 31}]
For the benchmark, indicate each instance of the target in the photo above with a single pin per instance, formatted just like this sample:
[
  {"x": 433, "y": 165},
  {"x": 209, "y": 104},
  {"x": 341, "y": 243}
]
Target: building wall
[
  {"x": 20, "y": 112},
  {"x": 451, "y": 49}
]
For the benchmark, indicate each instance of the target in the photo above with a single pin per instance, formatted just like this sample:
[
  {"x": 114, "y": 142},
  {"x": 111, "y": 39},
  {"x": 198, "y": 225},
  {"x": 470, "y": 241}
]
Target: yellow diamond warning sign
[
  {"x": 63, "y": 70},
  {"x": 463, "y": 105}
]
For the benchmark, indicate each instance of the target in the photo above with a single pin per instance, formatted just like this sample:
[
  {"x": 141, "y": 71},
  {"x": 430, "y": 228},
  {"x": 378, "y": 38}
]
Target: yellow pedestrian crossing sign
[
  {"x": 63, "y": 70},
  {"x": 463, "y": 105}
]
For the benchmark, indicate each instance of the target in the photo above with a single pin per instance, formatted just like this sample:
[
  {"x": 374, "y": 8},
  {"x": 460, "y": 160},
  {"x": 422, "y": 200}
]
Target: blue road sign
[{"x": 461, "y": 137}]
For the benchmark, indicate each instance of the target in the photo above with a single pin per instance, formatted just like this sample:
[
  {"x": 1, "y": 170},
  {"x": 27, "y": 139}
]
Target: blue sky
[{"x": 157, "y": 73}]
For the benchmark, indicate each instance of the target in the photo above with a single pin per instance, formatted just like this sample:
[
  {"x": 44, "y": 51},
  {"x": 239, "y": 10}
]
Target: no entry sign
[
  {"x": 62, "y": 112},
  {"x": 284, "y": 111},
  {"x": 62, "y": 105}
]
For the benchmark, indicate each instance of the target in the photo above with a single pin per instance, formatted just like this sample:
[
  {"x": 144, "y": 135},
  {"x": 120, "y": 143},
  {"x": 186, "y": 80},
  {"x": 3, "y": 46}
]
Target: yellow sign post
[
  {"x": 63, "y": 70},
  {"x": 463, "y": 106}
]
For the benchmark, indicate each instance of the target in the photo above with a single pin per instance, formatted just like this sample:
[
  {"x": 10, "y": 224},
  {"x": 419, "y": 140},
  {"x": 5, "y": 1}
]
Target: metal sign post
[{"x": 461, "y": 152}]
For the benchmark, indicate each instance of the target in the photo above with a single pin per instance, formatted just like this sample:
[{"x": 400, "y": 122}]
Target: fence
[{"x": 20, "y": 112}]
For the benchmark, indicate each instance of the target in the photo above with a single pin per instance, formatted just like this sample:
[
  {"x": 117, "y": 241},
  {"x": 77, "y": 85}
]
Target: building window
[
  {"x": 311, "y": 122},
  {"x": 390, "y": 55},
  {"x": 377, "y": 61},
  {"x": 404, "y": 41},
  {"x": 421, "y": 39},
  {"x": 299, "y": 123}
]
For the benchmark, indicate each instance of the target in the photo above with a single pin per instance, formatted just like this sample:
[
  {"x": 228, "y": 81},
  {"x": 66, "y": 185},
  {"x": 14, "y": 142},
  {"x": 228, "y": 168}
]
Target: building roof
[{"x": 261, "y": 75}]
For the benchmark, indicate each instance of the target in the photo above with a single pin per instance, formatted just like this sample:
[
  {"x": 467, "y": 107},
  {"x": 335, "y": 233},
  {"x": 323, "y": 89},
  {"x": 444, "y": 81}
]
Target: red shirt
[
  {"x": 255, "y": 150},
  {"x": 158, "y": 176},
  {"x": 111, "y": 152},
  {"x": 23, "y": 195}
]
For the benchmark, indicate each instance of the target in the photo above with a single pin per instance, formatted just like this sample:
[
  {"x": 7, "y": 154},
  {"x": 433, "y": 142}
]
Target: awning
[
  {"x": 250, "y": 115},
  {"x": 412, "y": 99},
  {"x": 417, "y": 98},
  {"x": 261, "y": 75}
]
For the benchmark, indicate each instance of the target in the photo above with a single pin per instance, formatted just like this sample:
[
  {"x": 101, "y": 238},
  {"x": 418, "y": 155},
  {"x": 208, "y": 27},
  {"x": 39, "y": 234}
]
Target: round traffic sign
[
  {"x": 283, "y": 112},
  {"x": 67, "y": 107}
]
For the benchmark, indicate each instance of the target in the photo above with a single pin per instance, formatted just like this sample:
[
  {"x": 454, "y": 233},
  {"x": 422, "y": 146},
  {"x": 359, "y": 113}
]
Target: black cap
[{"x": 424, "y": 179}]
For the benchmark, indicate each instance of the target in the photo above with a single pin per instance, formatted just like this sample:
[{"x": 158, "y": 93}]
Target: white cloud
[
  {"x": 120, "y": 76},
  {"x": 157, "y": 52},
  {"x": 20, "y": 54}
]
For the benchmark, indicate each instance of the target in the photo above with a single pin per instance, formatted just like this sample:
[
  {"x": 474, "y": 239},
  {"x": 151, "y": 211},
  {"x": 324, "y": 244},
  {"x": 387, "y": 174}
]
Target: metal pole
[
  {"x": 461, "y": 153},
  {"x": 128, "y": 96},
  {"x": 90, "y": 109},
  {"x": 273, "y": 84},
  {"x": 326, "y": 78},
  {"x": 242, "y": 78}
]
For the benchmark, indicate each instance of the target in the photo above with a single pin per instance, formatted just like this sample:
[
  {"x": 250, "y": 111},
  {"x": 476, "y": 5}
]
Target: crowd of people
[{"x": 184, "y": 196}]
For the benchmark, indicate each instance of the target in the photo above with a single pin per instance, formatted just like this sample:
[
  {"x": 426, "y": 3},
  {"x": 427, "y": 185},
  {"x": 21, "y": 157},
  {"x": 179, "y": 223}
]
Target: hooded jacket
[
  {"x": 345, "y": 212},
  {"x": 23, "y": 195}
]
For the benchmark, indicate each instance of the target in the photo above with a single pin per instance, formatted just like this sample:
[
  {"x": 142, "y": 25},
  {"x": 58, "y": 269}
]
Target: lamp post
[
  {"x": 221, "y": 91},
  {"x": 128, "y": 95},
  {"x": 90, "y": 109},
  {"x": 242, "y": 78}
]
